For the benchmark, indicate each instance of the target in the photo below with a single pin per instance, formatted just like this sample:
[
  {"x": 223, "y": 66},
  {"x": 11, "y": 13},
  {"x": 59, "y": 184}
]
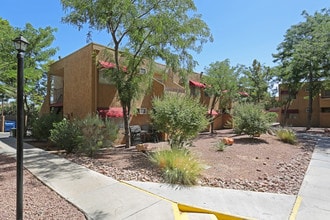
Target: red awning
[
  {"x": 110, "y": 65},
  {"x": 244, "y": 94},
  {"x": 107, "y": 65},
  {"x": 113, "y": 112},
  {"x": 197, "y": 84},
  {"x": 213, "y": 113}
]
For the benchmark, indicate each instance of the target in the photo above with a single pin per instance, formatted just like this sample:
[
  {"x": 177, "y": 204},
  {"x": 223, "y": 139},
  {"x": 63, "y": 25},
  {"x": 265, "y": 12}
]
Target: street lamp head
[{"x": 20, "y": 43}]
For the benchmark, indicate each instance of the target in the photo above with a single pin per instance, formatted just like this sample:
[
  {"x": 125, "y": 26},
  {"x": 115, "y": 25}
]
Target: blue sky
[{"x": 243, "y": 30}]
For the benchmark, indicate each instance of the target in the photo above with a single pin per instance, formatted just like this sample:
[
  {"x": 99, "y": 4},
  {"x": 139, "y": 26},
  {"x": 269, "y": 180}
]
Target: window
[
  {"x": 293, "y": 116},
  {"x": 143, "y": 71},
  {"x": 325, "y": 93},
  {"x": 56, "y": 90},
  {"x": 104, "y": 78},
  {"x": 285, "y": 95},
  {"x": 291, "y": 113},
  {"x": 325, "y": 110},
  {"x": 142, "y": 111},
  {"x": 195, "y": 91},
  {"x": 206, "y": 94}
]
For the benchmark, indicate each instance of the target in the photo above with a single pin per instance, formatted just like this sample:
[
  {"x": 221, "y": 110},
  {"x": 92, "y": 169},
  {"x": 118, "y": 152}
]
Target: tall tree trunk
[
  {"x": 211, "y": 117},
  {"x": 286, "y": 107},
  {"x": 126, "y": 110}
]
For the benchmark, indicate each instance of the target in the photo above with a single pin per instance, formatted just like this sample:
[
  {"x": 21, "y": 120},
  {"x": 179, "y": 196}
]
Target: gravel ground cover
[
  {"x": 262, "y": 164},
  {"x": 39, "y": 201}
]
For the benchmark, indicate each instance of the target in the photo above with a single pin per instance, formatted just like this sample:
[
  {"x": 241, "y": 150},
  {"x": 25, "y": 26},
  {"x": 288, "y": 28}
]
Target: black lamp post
[{"x": 20, "y": 45}]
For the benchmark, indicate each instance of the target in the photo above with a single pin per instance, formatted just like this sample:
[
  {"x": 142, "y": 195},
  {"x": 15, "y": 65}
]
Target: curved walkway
[{"x": 101, "y": 197}]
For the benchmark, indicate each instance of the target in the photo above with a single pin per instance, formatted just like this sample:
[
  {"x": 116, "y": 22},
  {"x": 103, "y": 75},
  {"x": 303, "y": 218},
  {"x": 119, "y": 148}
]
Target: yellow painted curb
[
  {"x": 220, "y": 216},
  {"x": 180, "y": 210},
  {"x": 177, "y": 213},
  {"x": 295, "y": 208}
]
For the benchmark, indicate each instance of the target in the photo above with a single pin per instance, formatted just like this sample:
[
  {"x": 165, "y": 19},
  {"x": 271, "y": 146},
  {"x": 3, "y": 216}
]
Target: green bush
[
  {"x": 96, "y": 134},
  {"x": 250, "y": 119},
  {"x": 286, "y": 136},
  {"x": 178, "y": 166},
  {"x": 271, "y": 117},
  {"x": 220, "y": 146},
  {"x": 66, "y": 135},
  {"x": 42, "y": 126},
  {"x": 84, "y": 136},
  {"x": 181, "y": 117}
]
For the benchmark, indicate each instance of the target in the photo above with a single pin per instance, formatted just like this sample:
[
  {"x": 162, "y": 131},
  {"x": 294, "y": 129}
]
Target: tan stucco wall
[
  {"x": 301, "y": 103},
  {"x": 78, "y": 81},
  {"x": 156, "y": 90},
  {"x": 325, "y": 120},
  {"x": 106, "y": 96},
  {"x": 325, "y": 116}
]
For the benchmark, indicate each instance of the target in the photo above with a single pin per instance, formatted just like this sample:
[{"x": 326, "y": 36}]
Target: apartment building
[
  {"x": 296, "y": 114},
  {"x": 77, "y": 87}
]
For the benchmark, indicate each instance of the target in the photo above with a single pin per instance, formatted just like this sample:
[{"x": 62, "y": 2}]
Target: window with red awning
[
  {"x": 113, "y": 112},
  {"x": 196, "y": 84}
]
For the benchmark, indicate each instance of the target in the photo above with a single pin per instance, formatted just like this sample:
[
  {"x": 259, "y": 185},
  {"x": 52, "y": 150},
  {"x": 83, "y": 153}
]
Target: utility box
[{"x": 9, "y": 125}]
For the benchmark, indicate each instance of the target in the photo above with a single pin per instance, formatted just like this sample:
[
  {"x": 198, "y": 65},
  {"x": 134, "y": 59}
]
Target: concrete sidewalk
[
  {"x": 98, "y": 196},
  {"x": 101, "y": 197},
  {"x": 255, "y": 205},
  {"x": 315, "y": 189}
]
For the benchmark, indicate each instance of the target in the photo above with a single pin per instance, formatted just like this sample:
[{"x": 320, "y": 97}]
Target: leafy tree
[
  {"x": 140, "y": 31},
  {"x": 37, "y": 57},
  {"x": 181, "y": 117},
  {"x": 221, "y": 81},
  {"x": 257, "y": 80},
  {"x": 7, "y": 61},
  {"x": 304, "y": 54}
]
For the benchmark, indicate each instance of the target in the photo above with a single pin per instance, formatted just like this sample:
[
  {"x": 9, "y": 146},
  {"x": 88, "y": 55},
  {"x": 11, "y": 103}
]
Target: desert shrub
[
  {"x": 181, "y": 117},
  {"x": 42, "y": 125},
  {"x": 286, "y": 135},
  {"x": 220, "y": 146},
  {"x": 66, "y": 135},
  {"x": 95, "y": 134},
  {"x": 178, "y": 166},
  {"x": 271, "y": 117},
  {"x": 250, "y": 119}
]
